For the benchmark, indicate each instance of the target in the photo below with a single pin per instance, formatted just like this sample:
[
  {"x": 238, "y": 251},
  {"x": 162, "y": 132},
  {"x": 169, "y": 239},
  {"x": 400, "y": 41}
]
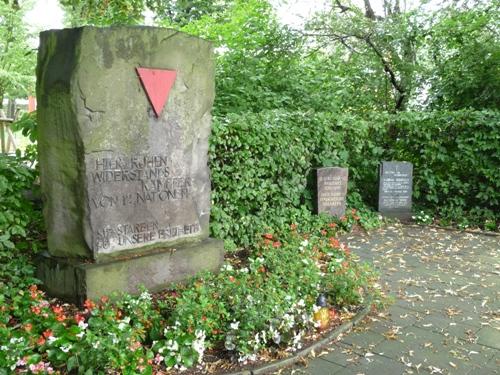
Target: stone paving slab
[{"x": 446, "y": 313}]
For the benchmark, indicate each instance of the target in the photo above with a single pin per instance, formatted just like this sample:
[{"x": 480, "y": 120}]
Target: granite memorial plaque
[
  {"x": 395, "y": 189},
  {"x": 124, "y": 120},
  {"x": 332, "y": 190}
]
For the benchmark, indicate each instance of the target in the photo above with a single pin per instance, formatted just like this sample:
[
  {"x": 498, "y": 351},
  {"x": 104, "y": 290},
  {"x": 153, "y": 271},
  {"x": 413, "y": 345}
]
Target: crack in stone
[
  {"x": 84, "y": 100},
  {"x": 170, "y": 36}
]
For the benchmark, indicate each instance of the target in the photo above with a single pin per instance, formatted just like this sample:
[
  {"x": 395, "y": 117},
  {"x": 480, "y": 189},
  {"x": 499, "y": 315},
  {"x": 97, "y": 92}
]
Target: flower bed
[{"x": 261, "y": 304}]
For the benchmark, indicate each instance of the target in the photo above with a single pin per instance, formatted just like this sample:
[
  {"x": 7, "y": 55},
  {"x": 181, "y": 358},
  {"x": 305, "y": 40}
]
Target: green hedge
[
  {"x": 263, "y": 164},
  {"x": 456, "y": 157}
]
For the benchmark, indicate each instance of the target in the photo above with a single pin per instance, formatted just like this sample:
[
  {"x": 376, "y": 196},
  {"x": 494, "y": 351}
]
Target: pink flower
[{"x": 158, "y": 359}]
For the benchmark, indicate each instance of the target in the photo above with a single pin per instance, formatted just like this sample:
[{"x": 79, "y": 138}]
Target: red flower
[
  {"x": 28, "y": 327},
  {"x": 269, "y": 236},
  {"x": 88, "y": 304},
  {"x": 174, "y": 294},
  {"x": 79, "y": 318},
  {"x": 57, "y": 309},
  {"x": 104, "y": 299},
  {"x": 267, "y": 242},
  {"x": 334, "y": 242},
  {"x": 293, "y": 226},
  {"x": 40, "y": 341},
  {"x": 343, "y": 218},
  {"x": 353, "y": 211},
  {"x": 332, "y": 225},
  {"x": 47, "y": 333},
  {"x": 36, "y": 310},
  {"x": 276, "y": 244},
  {"x": 34, "y": 292},
  {"x": 323, "y": 232},
  {"x": 262, "y": 269},
  {"x": 232, "y": 279}
]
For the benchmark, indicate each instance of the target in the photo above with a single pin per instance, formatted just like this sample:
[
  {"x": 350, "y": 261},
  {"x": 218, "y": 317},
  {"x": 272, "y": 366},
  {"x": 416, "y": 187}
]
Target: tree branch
[{"x": 390, "y": 72}]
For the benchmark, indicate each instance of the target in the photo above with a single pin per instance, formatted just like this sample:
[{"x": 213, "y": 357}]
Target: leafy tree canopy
[{"x": 17, "y": 58}]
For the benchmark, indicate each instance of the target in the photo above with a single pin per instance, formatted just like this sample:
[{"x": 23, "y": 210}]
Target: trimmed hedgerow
[
  {"x": 456, "y": 161},
  {"x": 263, "y": 164}
]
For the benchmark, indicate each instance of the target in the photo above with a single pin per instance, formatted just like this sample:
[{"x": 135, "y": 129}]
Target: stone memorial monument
[
  {"x": 332, "y": 190},
  {"x": 395, "y": 189},
  {"x": 124, "y": 120}
]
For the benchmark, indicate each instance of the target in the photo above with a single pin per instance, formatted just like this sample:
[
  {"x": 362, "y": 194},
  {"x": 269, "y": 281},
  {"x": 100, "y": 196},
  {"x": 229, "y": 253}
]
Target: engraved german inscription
[
  {"x": 395, "y": 188},
  {"x": 332, "y": 190}
]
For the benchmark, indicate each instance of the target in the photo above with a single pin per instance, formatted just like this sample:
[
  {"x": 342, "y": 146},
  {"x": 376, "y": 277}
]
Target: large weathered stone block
[{"x": 120, "y": 175}]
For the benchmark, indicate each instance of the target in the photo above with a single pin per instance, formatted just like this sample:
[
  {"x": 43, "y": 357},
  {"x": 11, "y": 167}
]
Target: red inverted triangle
[{"x": 157, "y": 84}]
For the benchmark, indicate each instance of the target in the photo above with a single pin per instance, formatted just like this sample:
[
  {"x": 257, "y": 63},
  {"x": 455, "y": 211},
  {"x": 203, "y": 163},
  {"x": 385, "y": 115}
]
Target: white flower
[
  {"x": 227, "y": 267},
  {"x": 245, "y": 358},
  {"x": 96, "y": 344},
  {"x": 122, "y": 326},
  {"x": 275, "y": 335},
  {"x": 244, "y": 270},
  {"x": 301, "y": 303},
  {"x": 145, "y": 296},
  {"x": 304, "y": 243},
  {"x": 52, "y": 339},
  {"x": 66, "y": 348},
  {"x": 199, "y": 344},
  {"x": 234, "y": 325},
  {"x": 82, "y": 325},
  {"x": 172, "y": 345}
]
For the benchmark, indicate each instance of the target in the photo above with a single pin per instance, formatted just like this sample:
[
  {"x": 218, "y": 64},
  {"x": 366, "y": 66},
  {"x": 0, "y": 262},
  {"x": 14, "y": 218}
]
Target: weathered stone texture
[
  {"x": 114, "y": 177},
  {"x": 395, "y": 189},
  {"x": 332, "y": 190}
]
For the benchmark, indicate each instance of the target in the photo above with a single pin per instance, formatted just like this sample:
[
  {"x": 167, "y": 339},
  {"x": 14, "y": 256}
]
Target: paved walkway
[{"x": 446, "y": 315}]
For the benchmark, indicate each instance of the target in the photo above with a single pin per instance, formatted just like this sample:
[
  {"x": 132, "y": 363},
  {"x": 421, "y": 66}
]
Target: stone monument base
[
  {"x": 403, "y": 216},
  {"x": 75, "y": 281}
]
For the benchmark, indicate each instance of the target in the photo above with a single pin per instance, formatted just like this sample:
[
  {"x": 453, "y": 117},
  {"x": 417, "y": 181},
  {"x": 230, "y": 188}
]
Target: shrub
[
  {"x": 456, "y": 162},
  {"x": 263, "y": 164}
]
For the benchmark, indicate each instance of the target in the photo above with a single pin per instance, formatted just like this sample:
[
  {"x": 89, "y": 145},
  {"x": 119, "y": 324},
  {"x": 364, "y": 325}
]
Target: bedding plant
[{"x": 260, "y": 305}]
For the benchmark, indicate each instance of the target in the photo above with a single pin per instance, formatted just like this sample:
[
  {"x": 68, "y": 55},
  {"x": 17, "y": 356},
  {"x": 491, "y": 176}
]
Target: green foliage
[
  {"x": 132, "y": 12},
  {"x": 455, "y": 158},
  {"x": 183, "y": 12},
  {"x": 17, "y": 215},
  {"x": 263, "y": 164},
  {"x": 27, "y": 125},
  {"x": 103, "y": 13},
  {"x": 380, "y": 50},
  {"x": 264, "y": 300},
  {"x": 254, "y": 57},
  {"x": 465, "y": 51},
  {"x": 17, "y": 59}
]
